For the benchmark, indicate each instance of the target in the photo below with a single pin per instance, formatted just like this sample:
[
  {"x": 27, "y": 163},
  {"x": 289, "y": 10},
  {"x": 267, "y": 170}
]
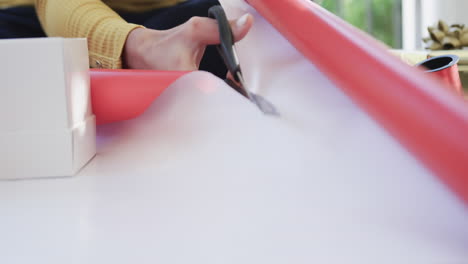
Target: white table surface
[{"x": 204, "y": 177}]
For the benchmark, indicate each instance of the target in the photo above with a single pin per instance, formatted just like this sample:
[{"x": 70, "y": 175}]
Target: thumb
[
  {"x": 205, "y": 30},
  {"x": 241, "y": 26}
]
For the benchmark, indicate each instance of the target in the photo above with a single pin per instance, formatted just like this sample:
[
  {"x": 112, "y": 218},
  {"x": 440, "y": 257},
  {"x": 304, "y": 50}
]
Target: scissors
[{"x": 227, "y": 51}]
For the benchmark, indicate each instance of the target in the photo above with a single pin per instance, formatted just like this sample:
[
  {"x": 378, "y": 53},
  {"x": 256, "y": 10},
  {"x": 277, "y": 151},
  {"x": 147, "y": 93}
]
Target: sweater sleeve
[{"x": 104, "y": 29}]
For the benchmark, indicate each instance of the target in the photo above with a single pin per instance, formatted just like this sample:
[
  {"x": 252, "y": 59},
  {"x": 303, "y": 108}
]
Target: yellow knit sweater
[{"x": 95, "y": 20}]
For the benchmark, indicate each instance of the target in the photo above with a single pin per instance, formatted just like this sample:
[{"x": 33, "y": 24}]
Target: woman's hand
[{"x": 180, "y": 48}]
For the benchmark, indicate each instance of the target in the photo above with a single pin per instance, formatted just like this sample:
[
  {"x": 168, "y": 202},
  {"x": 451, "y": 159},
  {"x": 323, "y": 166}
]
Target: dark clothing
[{"x": 20, "y": 22}]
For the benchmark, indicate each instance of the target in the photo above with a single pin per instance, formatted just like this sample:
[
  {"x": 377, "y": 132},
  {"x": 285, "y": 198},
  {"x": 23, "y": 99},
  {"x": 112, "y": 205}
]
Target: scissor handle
[{"x": 226, "y": 47}]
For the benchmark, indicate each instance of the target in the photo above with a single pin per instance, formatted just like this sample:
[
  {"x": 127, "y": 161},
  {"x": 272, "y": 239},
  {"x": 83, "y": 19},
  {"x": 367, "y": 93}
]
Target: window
[{"x": 380, "y": 18}]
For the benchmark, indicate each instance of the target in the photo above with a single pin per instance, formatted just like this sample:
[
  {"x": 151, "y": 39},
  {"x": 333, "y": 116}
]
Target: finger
[
  {"x": 185, "y": 60},
  {"x": 205, "y": 30},
  {"x": 187, "y": 66},
  {"x": 241, "y": 26},
  {"x": 199, "y": 56}
]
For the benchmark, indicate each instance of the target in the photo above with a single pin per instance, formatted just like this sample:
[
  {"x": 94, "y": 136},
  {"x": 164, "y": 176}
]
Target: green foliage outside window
[{"x": 380, "y": 18}]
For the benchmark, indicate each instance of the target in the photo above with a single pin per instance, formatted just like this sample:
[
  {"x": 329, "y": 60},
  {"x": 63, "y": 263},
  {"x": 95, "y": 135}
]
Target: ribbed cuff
[{"x": 111, "y": 57}]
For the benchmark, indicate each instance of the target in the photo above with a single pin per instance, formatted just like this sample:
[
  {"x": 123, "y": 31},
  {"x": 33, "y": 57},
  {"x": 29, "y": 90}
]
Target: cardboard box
[
  {"x": 411, "y": 57},
  {"x": 47, "y": 128}
]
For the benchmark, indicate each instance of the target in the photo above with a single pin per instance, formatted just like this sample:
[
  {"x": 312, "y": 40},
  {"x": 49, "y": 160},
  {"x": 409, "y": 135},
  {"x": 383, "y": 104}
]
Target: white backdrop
[{"x": 204, "y": 178}]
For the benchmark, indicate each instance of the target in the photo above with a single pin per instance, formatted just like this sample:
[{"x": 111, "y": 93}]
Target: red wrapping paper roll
[
  {"x": 118, "y": 95},
  {"x": 446, "y": 69},
  {"x": 416, "y": 109}
]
